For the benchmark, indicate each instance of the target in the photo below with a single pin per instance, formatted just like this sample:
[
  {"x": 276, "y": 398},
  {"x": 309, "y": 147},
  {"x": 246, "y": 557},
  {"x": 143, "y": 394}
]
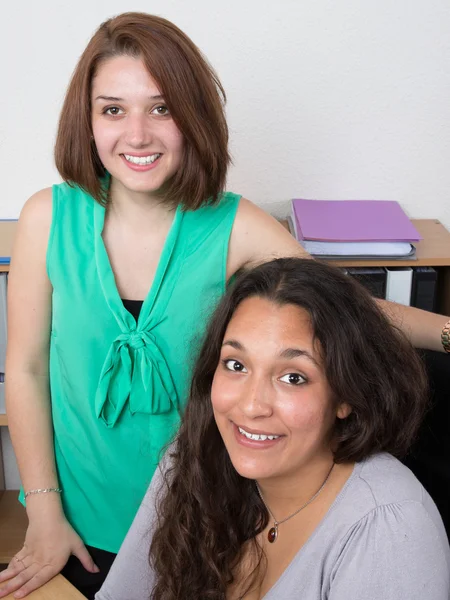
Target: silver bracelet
[{"x": 43, "y": 491}]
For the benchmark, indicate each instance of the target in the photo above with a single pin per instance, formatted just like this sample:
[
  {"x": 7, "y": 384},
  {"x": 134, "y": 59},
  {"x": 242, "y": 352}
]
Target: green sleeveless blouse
[{"x": 117, "y": 386}]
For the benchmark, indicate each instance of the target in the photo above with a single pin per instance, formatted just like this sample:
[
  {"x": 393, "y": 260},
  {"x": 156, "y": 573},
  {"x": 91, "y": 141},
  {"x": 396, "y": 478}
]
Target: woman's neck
[
  {"x": 136, "y": 209},
  {"x": 286, "y": 493}
]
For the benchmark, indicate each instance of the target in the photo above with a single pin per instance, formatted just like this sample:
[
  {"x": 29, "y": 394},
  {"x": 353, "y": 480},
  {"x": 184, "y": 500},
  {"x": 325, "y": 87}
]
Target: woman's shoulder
[
  {"x": 36, "y": 214},
  {"x": 225, "y": 203},
  {"x": 41, "y": 203},
  {"x": 210, "y": 223},
  {"x": 39, "y": 209},
  {"x": 382, "y": 495},
  {"x": 385, "y": 495},
  {"x": 384, "y": 538},
  {"x": 258, "y": 237},
  {"x": 383, "y": 481},
  {"x": 389, "y": 480},
  {"x": 67, "y": 191}
]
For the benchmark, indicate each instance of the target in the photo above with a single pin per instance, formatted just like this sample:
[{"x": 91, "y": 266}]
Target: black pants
[{"x": 89, "y": 583}]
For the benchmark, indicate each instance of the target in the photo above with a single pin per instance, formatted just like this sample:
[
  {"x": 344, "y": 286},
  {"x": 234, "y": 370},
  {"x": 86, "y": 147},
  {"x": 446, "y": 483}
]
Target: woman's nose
[
  {"x": 138, "y": 133},
  {"x": 257, "y": 399}
]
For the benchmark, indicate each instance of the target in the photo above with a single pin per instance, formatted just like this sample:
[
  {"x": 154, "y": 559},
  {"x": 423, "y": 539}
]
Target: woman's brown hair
[
  {"x": 208, "y": 512},
  {"x": 191, "y": 90}
]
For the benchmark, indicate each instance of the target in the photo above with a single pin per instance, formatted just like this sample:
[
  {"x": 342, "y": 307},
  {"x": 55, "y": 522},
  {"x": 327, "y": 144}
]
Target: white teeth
[
  {"x": 142, "y": 160},
  {"x": 257, "y": 437}
]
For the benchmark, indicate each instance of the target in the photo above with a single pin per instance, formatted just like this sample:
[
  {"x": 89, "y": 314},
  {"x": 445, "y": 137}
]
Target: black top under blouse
[{"x": 133, "y": 306}]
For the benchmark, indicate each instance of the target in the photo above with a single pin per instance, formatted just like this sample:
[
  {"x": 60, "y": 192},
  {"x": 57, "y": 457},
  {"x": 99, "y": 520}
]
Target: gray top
[{"x": 382, "y": 539}]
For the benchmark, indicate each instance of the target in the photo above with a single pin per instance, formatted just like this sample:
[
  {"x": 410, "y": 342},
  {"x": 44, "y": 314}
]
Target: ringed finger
[
  {"x": 17, "y": 581},
  {"x": 14, "y": 567},
  {"x": 43, "y": 575}
]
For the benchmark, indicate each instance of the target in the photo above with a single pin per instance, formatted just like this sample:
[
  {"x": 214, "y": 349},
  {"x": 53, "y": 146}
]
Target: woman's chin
[{"x": 252, "y": 469}]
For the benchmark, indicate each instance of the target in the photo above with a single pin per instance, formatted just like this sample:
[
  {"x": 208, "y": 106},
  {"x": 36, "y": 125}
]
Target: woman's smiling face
[
  {"x": 136, "y": 138},
  {"x": 270, "y": 396}
]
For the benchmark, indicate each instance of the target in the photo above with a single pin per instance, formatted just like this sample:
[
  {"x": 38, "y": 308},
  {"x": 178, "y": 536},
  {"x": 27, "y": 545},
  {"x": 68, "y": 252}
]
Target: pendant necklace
[{"x": 273, "y": 531}]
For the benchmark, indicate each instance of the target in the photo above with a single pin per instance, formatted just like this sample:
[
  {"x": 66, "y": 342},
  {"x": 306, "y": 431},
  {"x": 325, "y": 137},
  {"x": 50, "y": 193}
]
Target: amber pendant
[{"x": 273, "y": 533}]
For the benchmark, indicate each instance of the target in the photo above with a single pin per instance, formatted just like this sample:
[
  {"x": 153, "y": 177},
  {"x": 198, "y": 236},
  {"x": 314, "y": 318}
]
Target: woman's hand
[{"x": 47, "y": 547}]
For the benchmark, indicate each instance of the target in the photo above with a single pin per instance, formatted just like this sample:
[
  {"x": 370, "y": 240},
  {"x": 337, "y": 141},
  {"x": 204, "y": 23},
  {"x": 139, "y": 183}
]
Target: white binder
[{"x": 398, "y": 284}]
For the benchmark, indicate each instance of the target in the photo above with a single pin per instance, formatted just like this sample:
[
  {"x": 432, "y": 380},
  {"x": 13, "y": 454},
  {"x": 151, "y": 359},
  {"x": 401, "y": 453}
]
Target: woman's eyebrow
[
  {"x": 296, "y": 352},
  {"x": 115, "y": 99},
  {"x": 289, "y": 353},
  {"x": 234, "y": 344}
]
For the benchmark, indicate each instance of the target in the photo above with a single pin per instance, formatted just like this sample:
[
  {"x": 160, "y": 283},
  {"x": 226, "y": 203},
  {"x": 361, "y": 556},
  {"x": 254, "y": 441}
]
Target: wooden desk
[{"x": 56, "y": 589}]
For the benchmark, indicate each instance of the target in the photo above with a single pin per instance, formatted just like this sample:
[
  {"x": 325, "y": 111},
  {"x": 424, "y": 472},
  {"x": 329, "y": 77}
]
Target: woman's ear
[{"x": 343, "y": 410}]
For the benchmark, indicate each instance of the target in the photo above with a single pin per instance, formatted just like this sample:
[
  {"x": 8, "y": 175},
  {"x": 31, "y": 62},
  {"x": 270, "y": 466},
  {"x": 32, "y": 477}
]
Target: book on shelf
[
  {"x": 399, "y": 284},
  {"x": 416, "y": 286},
  {"x": 423, "y": 291},
  {"x": 372, "y": 278},
  {"x": 353, "y": 228}
]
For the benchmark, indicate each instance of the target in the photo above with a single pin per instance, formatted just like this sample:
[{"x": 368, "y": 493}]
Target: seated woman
[{"x": 282, "y": 482}]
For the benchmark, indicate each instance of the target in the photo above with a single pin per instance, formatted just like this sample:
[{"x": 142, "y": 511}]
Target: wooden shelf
[
  {"x": 8, "y": 230},
  {"x": 3, "y": 421},
  {"x": 13, "y": 525}
]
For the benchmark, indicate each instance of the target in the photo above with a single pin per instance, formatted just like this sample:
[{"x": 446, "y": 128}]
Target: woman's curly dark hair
[{"x": 209, "y": 512}]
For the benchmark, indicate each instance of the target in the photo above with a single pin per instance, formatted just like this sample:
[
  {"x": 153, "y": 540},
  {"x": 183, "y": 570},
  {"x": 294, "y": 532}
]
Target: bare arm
[
  {"x": 50, "y": 540},
  {"x": 257, "y": 237},
  {"x": 27, "y": 382},
  {"x": 422, "y": 327}
]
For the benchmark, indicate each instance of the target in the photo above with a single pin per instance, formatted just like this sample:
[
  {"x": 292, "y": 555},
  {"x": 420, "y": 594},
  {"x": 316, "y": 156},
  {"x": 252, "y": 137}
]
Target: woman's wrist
[
  {"x": 49, "y": 490},
  {"x": 41, "y": 505},
  {"x": 445, "y": 337}
]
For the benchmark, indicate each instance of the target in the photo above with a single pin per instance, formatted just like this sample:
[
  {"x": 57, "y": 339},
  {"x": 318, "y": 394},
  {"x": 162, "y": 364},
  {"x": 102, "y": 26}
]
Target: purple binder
[{"x": 353, "y": 221}]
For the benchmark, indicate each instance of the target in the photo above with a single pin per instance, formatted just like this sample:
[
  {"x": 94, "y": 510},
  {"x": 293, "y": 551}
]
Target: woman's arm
[
  {"x": 422, "y": 327},
  {"x": 257, "y": 237},
  {"x": 50, "y": 539}
]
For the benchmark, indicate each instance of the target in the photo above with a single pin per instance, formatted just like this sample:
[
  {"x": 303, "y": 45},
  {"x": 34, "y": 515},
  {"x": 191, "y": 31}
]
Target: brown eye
[
  {"x": 112, "y": 110},
  {"x": 162, "y": 111},
  {"x": 234, "y": 365},
  {"x": 293, "y": 379}
]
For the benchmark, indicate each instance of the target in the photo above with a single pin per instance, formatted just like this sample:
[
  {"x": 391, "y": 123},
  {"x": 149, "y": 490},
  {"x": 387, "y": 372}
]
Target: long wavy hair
[{"x": 208, "y": 512}]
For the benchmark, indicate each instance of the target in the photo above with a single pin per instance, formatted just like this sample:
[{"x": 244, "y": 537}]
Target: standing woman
[{"x": 113, "y": 277}]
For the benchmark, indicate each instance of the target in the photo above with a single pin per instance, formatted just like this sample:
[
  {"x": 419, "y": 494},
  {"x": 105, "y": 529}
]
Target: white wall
[{"x": 326, "y": 99}]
